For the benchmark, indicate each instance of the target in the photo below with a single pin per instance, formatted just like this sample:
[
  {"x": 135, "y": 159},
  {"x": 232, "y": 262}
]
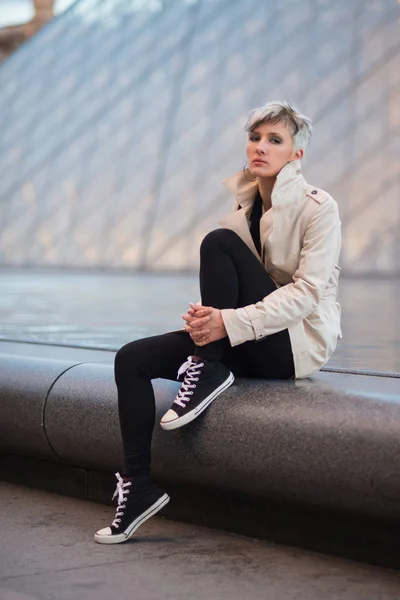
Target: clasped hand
[{"x": 204, "y": 324}]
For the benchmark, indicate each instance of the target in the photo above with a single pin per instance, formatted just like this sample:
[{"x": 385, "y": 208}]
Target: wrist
[{"x": 221, "y": 322}]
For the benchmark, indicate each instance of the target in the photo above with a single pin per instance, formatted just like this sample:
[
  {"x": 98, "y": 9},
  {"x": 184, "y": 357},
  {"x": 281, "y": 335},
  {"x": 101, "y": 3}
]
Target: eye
[
  {"x": 275, "y": 140},
  {"x": 253, "y": 137}
]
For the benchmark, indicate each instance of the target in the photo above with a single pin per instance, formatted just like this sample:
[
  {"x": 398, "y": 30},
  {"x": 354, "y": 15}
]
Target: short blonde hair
[{"x": 282, "y": 112}]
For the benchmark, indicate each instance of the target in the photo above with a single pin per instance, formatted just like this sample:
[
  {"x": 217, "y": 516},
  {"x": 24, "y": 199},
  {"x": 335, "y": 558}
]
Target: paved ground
[
  {"x": 108, "y": 309},
  {"x": 47, "y": 553}
]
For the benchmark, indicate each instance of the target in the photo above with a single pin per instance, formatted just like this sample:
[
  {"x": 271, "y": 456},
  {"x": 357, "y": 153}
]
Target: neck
[{"x": 265, "y": 186}]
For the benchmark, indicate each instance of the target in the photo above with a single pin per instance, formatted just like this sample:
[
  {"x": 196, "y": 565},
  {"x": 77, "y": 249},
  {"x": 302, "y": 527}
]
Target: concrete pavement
[{"x": 47, "y": 553}]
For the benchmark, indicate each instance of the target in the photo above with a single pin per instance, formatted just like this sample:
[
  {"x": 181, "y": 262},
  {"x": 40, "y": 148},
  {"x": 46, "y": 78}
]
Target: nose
[{"x": 261, "y": 147}]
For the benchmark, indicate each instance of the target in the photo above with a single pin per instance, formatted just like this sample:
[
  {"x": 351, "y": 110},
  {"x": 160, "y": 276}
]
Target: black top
[{"x": 256, "y": 214}]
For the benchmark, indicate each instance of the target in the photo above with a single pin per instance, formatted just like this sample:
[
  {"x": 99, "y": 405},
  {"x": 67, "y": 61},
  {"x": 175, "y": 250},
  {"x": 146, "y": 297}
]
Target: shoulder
[
  {"x": 318, "y": 195},
  {"x": 323, "y": 203}
]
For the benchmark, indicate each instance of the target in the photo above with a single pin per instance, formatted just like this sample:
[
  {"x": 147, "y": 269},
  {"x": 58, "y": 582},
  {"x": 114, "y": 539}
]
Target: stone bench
[{"x": 281, "y": 459}]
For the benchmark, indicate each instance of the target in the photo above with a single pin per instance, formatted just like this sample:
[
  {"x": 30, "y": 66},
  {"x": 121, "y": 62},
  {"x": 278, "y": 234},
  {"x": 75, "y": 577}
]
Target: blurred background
[
  {"x": 120, "y": 118},
  {"x": 20, "y": 19}
]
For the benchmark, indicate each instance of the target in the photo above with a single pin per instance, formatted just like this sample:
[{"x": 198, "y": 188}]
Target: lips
[{"x": 258, "y": 160}]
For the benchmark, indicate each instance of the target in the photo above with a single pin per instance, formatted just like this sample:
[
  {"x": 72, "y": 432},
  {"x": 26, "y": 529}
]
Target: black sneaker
[
  {"x": 204, "y": 381},
  {"x": 137, "y": 502}
]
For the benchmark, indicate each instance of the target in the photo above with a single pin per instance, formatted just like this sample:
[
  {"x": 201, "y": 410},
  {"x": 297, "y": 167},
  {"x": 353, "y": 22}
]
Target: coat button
[{"x": 314, "y": 192}]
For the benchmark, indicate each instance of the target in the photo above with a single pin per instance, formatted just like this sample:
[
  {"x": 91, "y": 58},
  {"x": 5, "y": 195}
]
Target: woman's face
[{"x": 269, "y": 149}]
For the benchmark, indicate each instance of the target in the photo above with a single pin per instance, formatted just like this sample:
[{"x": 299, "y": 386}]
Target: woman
[{"x": 268, "y": 283}]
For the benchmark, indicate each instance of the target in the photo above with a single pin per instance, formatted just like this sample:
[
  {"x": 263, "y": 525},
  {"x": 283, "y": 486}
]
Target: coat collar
[{"x": 244, "y": 190}]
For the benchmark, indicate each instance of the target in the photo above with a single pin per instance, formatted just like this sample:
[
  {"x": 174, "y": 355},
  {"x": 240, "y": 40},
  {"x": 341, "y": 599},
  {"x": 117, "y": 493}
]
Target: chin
[
  {"x": 259, "y": 170},
  {"x": 263, "y": 172}
]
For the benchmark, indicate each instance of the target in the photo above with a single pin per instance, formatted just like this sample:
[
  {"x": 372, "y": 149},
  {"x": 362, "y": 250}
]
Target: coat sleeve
[{"x": 293, "y": 302}]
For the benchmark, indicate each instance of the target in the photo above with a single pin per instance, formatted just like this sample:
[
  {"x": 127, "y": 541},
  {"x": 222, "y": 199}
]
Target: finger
[
  {"x": 193, "y": 319},
  {"x": 199, "y": 337},
  {"x": 201, "y": 309},
  {"x": 200, "y": 323},
  {"x": 199, "y": 332},
  {"x": 201, "y": 314},
  {"x": 192, "y": 315},
  {"x": 188, "y": 318}
]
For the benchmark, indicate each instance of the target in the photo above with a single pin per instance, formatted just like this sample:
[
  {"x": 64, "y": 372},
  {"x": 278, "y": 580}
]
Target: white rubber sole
[
  {"x": 123, "y": 537},
  {"x": 190, "y": 416}
]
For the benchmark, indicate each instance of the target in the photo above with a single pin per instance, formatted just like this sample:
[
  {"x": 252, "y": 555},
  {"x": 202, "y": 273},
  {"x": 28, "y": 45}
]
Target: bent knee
[
  {"x": 218, "y": 237},
  {"x": 127, "y": 356}
]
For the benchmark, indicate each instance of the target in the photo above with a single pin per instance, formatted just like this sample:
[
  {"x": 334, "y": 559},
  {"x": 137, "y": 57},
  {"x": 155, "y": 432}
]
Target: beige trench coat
[{"x": 300, "y": 239}]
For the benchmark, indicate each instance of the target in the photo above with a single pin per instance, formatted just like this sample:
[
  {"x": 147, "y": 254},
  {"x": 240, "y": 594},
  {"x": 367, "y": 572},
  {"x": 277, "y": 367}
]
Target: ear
[{"x": 298, "y": 155}]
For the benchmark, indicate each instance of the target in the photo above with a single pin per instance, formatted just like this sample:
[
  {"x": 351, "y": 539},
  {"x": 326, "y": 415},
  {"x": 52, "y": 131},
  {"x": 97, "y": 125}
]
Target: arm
[{"x": 291, "y": 303}]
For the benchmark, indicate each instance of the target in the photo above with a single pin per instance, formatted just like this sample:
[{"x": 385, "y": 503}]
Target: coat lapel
[
  {"x": 244, "y": 191},
  {"x": 238, "y": 223}
]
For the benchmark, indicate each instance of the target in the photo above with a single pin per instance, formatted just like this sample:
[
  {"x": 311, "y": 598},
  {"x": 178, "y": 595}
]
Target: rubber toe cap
[
  {"x": 104, "y": 532},
  {"x": 169, "y": 416}
]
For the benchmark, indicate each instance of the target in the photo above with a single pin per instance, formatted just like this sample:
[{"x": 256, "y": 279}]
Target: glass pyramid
[{"x": 120, "y": 119}]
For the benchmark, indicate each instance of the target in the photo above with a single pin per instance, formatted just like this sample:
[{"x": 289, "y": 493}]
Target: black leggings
[{"x": 230, "y": 277}]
